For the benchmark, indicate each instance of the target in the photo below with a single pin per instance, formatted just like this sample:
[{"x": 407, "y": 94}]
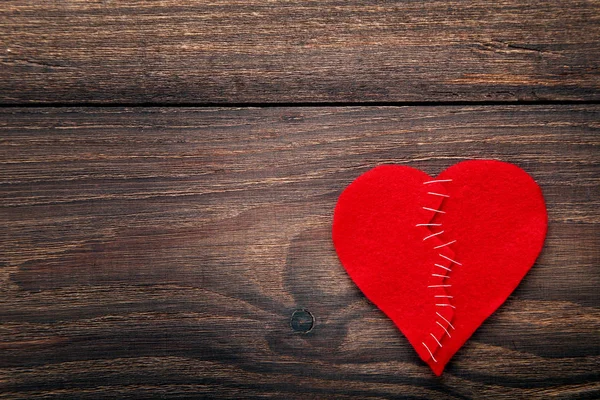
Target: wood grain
[
  {"x": 241, "y": 51},
  {"x": 161, "y": 252}
]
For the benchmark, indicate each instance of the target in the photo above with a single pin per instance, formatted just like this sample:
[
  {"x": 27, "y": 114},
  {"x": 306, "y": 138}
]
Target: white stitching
[
  {"x": 445, "y": 244},
  {"x": 446, "y": 330},
  {"x": 434, "y": 210},
  {"x": 430, "y": 353},
  {"x": 441, "y": 296},
  {"x": 438, "y": 194},
  {"x": 434, "y": 338},
  {"x": 437, "y": 180},
  {"x": 441, "y": 266},
  {"x": 432, "y": 235},
  {"x": 442, "y": 317},
  {"x": 449, "y": 259}
]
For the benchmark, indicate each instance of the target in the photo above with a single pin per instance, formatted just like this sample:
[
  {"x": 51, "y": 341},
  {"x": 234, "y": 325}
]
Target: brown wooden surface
[
  {"x": 160, "y": 252},
  {"x": 177, "y": 51}
]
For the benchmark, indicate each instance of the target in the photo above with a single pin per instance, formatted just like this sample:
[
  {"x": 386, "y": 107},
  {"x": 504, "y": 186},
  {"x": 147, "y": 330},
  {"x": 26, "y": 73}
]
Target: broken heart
[{"x": 439, "y": 255}]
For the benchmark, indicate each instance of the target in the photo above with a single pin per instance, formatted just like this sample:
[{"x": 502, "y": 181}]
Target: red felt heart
[{"x": 440, "y": 255}]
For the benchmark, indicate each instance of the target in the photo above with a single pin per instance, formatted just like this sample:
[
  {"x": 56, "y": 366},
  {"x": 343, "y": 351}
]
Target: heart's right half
[{"x": 439, "y": 255}]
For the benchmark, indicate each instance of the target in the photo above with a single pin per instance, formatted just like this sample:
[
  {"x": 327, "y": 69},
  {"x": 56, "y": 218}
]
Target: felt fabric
[{"x": 439, "y": 255}]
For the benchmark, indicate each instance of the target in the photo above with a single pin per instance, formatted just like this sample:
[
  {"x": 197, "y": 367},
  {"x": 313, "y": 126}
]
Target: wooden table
[{"x": 169, "y": 170}]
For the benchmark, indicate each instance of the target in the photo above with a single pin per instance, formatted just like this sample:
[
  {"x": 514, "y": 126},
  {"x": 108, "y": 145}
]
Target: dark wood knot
[{"x": 302, "y": 321}]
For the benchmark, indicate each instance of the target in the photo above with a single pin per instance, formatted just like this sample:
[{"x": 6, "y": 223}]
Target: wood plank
[
  {"x": 242, "y": 51},
  {"x": 161, "y": 252}
]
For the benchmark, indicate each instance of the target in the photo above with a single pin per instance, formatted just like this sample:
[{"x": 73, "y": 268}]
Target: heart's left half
[{"x": 439, "y": 255}]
